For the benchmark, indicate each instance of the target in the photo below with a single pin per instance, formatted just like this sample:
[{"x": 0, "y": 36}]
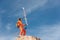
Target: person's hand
[
  {"x": 25, "y": 25},
  {"x": 17, "y": 26}
]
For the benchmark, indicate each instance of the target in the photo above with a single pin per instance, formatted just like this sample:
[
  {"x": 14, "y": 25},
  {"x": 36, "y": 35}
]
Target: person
[{"x": 20, "y": 25}]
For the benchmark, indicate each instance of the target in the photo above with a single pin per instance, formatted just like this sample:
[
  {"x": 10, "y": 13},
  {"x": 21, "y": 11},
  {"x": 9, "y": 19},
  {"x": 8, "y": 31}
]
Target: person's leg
[
  {"x": 24, "y": 32},
  {"x": 20, "y": 31}
]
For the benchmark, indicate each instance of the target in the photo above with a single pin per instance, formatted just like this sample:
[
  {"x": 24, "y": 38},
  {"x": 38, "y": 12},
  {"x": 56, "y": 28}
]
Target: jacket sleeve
[{"x": 17, "y": 24}]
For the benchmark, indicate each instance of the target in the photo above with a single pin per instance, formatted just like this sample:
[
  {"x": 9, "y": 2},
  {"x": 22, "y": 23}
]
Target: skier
[{"x": 20, "y": 25}]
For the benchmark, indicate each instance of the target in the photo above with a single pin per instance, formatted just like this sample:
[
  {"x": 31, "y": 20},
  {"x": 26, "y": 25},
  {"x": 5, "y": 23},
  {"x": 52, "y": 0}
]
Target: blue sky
[{"x": 43, "y": 18}]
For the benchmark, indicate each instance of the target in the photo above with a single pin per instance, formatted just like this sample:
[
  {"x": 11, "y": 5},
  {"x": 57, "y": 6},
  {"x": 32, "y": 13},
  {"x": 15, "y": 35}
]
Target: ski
[{"x": 25, "y": 18}]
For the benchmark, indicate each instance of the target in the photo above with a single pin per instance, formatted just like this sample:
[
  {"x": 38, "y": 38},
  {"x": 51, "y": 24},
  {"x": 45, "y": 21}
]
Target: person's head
[{"x": 20, "y": 19}]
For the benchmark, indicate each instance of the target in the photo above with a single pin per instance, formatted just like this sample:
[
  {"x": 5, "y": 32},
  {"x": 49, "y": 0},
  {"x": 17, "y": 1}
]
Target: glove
[
  {"x": 17, "y": 26},
  {"x": 25, "y": 28}
]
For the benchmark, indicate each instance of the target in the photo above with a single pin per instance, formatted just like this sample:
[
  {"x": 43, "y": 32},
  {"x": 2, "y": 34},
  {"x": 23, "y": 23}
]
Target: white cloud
[
  {"x": 7, "y": 37},
  {"x": 2, "y": 10},
  {"x": 8, "y": 26},
  {"x": 49, "y": 32},
  {"x": 29, "y": 6},
  {"x": 32, "y": 5},
  {"x": 35, "y": 4},
  {"x": 0, "y": 22},
  {"x": 42, "y": 4}
]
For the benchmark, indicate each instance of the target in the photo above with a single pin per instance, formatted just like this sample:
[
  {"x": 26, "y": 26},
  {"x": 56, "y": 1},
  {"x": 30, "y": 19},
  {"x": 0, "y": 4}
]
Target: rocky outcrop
[{"x": 27, "y": 38}]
